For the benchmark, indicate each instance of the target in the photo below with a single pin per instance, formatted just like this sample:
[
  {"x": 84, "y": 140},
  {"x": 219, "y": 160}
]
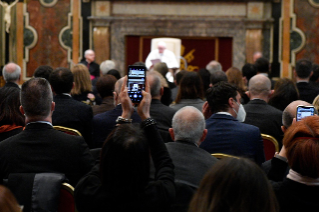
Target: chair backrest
[
  {"x": 222, "y": 155},
  {"x": 270, "y": 146},
  {"x": 67, "y": 130},
  {"x": 66, "y": 200}
]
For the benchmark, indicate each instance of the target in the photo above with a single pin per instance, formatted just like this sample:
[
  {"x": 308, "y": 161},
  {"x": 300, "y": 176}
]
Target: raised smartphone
[
  {"x": 136, "y": 82},
  {"x": 304, "y": 111}
]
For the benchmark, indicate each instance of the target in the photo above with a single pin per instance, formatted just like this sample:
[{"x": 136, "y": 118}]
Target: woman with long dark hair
[{"x": 11, "y": 119}]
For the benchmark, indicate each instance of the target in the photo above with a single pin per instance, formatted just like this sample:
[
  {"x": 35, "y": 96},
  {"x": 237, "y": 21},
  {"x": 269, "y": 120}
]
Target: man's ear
[
  {"x": 231, "y": 102},
  {"x": 271, "y": 93},
  {"x": 21, "y": 109},
  {"x": 52, "y": 106},
  {"x": 162, "y": 91},
  {"x": 203, "y": 136},
  {"x": 283, "y": 129},
  {"x": 171, "y": 133},
  {"x": 248, "y": 94},
  {"x": 73, "y": 85}
]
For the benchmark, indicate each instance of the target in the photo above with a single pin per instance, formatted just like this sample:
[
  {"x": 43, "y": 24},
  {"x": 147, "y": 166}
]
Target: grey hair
[
  {"x": 214, "y": 66},
  {"x": 11, "y": 77},
  {"x": 188, "y": 124},
  {"x": 87, "y": 51},
  {"x": 155, "y": 84},
  {"x": 106, "y": 66}
]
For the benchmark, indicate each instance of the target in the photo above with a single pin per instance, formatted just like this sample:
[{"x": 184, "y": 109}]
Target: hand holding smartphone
[{"x": 136, "y": 82}]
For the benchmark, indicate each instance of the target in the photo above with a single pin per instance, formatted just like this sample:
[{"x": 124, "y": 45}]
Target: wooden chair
[
  {"x": 222, "y": 155},
  {"x": 270, "y": 146},
  {"x": 66, "y": 200},
  {"x": 67, "y": 130}
]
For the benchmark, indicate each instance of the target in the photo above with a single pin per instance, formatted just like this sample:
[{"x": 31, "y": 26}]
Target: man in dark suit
[
  {"x": 267, "y": 118},
  {"x": 158, "y": 111},
  {"x": 225, "y": 133},
  {"x": 11, "y": 74},
  {"x": 40, "y": 148},
  {"x": 105, "y": 87},
  {"x": 191, "y": 162},
  {"x": 93, "y": 67},
  {"x": 69, "y": 112},
  {"x": 303, "y": 72},
  {"x": 104, "y": 123}
]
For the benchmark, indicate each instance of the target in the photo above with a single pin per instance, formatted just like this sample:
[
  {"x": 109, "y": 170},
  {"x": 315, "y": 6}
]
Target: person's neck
[
  {"x": 36, "y": 119},
  {"x": 157, "y": 97},
  {"x": 264, "y": 98},
  {"x": 302, "y": 80},
  {"x": 88, "y": 61}
]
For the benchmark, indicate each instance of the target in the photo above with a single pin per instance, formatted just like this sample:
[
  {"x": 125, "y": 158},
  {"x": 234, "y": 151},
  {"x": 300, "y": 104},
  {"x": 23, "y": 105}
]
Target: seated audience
[
  {"x": 303, "y": 72},
  {"x": 235, "y": 77},
  {"x": 205, "y": 76},
  {"x": 226, "y": 134},
  {"x": 8, "y": 202},
  {"x": 162, "y": 68},
  {"x": 43, "y": 71},
  {"x": 82, "y": 89},
  {"x": 190, "y": 93},
  {"x": 40, "y": 148},
  {"x": 105, "y": 67},
  {"x": 11, "y": 74},
  {"x": 214, "y": 66},
  {"x": 236, "y": 185},
  {"x": 69, "y": 112},
  {"x": 121, "y": 181},
  {"x": 314, "y": 79},
  {"x": 115, "y": 73},
  {"x": 288, "y": 115},
  {"x": 248, "y": 71},
  {"x": 299, "y": 191},
  {"x": 160, "y": 112},
  {"x": 11, "y": 119},
  {"x": 105, "y": 87},
  {"x": 188, "y": 131},
  {"x": 177, "y": 80},
  {"x": 258, "y": 112},
  {"x": 285, "y": 93},
  {"x": 263, "y": 67},
  {"x": 104, "y": 123},
  {"x": 218, "y": 76}
]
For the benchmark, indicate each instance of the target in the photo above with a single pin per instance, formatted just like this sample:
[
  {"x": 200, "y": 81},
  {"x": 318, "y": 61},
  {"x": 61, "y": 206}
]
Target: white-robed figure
[{"x": 161, "y": 54}]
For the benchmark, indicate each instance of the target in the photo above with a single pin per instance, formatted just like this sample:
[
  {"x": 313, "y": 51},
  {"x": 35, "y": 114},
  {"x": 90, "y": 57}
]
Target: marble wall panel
[
  {"x": 48, "y": 22},
  {"x": 178, "y": 9},
  {"x": 308, "y": 23}
]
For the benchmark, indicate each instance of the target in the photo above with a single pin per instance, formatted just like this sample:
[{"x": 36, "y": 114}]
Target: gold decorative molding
[
  {"x": 314, "y": 3},
  {"x": 31, "y": 45}
]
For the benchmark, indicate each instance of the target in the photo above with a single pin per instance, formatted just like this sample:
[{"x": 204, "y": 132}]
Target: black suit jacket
[
  {"x": 163, "y": 116},
  {"x": 11, "y": 84},
  {"x": 104, "y": 123},
  {"x": 94, "y": 68},
  {"x": 307, "y": 92},
  {"x": 40, "y": 148},
  {"x": 264, "y": 116},
  {"x": 191, "y": 162},
  {"x": 73, "y": 114}
]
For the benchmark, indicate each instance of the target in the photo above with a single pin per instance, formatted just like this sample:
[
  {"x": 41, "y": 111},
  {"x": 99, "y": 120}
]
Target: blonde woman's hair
[{"x": 82, "y": 80}]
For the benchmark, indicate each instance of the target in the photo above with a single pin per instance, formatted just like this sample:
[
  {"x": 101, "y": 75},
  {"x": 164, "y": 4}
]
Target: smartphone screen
[
  {"x": 304, "y": 111},
  {"x": 136, "y": 82}
]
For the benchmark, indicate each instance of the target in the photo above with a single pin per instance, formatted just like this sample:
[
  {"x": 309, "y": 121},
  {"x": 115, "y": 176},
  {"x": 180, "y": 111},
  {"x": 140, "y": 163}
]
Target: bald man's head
[
  {"x": 189, "y": 125},
  {"x": 11, "y": 72},
  {"x": 259, "y": 85},
  {"x": 290, "y": 112}
]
